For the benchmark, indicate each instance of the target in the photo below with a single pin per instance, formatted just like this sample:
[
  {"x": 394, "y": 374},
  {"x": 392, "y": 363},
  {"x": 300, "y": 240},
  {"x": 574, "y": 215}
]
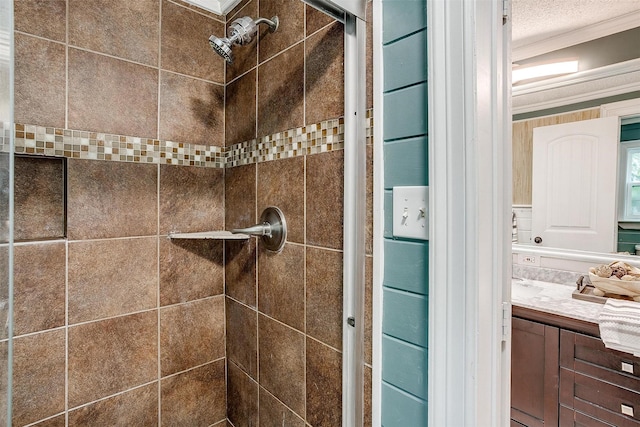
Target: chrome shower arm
[{"x": 272, "y": 23}]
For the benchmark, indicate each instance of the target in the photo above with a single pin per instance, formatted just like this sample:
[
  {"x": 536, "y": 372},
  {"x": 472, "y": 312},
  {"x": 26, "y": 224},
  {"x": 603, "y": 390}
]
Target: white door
[{"x": 574, "y": 185}]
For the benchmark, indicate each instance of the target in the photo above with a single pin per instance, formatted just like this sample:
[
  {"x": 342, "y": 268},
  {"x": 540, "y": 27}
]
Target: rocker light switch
[{"x": 411, "y": 212}]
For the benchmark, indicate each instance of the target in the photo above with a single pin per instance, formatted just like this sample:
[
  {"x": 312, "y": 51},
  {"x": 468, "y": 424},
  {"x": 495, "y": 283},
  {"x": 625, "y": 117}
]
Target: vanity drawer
[
  {"x": 583, "y": 353},
  {"x": 599, "y": 399},
  {"x": 572, "y": 418}
]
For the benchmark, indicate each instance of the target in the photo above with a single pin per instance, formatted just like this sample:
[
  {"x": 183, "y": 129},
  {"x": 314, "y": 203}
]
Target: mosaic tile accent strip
[
  {"x": 48, "y": 141},
  {"x": 311, "y": 139},
  {"x": 319, "y": 138}
]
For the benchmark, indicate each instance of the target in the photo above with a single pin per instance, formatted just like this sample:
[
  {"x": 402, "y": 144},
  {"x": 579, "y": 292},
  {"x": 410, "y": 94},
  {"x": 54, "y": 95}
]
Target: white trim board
[
  {"x": 630, "y": 107},
  {"x": 582, "y": 35},
  {"x": 469, "y": 218},
  {"x": 378, "y": 215}
]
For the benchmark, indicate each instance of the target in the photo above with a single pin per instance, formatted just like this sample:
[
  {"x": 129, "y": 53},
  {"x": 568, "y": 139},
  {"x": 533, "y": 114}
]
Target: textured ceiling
[{"x": 535, "y": 20}]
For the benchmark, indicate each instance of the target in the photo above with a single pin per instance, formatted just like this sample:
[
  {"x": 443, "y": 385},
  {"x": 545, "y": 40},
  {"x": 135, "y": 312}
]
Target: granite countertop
[{"x": 553, "y": 298}]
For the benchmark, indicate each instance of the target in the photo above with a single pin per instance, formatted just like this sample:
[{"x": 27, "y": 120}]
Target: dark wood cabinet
[
  {"x": 598, "y": 382},
  {"x": 563, "y": 375},
  {"x": 534, "y": 373}
]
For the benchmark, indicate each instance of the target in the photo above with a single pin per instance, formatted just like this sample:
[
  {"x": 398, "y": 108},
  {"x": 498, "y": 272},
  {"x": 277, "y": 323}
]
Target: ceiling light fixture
[{"x": 544, "y": 70}]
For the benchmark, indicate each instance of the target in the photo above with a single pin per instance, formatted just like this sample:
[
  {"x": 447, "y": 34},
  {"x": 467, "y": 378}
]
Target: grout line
[
  {"x": 66, "y": 336},
  {"x": 256, "y": 259},
  {"x": 36, "y": 242},
  {"x": 257, "y": 98},
  {"x": 283, "y": 404},
  {"x": 95, "y": 52},
  {"x": 35, "y": 36},
  {"x": 323, "y": 28},
  {"x": 239, "y": 76},
  {"x": 280, "y": 322},
  {"x": 66, "y": 75},
  {"x": 325, "y": 344},
  {"x": 243, "y": 371},
  {"x": 164, "y": 70},
  {"x": 31, "y": 334},
  {"x": 159, "y": 64},
  {"x": 43, "y": 421},
  {"x": 281, "y": 52},
  {"x": 158, "y": 326},
  {"x": 107, "y": 239},
  {"x": 84, "y": 405},
  {"x": 324, "y": 248},
  {"x": 193, "y": 368},
  {"x": 304, "y": 67},
  {"x": 244, "y": 304},
  {"x": 304, "y": 239},
  {"x": 148, "y": 310}
]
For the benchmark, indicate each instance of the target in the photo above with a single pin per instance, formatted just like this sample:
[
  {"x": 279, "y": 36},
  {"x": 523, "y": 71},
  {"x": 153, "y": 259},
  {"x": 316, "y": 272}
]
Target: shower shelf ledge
[{"x": 212, "y": 235}]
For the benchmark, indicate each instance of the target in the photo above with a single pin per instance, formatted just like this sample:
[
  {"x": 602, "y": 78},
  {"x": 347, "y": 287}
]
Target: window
[{"x": 630, "y": 168}]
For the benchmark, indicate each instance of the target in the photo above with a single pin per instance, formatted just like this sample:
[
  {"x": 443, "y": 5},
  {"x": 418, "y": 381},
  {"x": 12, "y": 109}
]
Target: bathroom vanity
[{"x": 561, "y": 372}]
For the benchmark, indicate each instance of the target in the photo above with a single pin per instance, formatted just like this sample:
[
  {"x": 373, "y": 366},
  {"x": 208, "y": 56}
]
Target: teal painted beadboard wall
[{"x": 405, "y": 283}]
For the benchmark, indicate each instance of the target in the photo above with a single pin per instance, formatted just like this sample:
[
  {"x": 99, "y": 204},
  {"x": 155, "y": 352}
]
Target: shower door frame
[
  {"x": 7, "y": 24},
  {"x": 355, "y": 205},
  {"x": 354, "y": 220}
]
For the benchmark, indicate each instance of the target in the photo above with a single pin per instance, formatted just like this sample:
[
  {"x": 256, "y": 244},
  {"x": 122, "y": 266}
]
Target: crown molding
[
  {"x": 615, "y": 79},
  {"x": 219, "y": 7},
  {"x": 581, "y": 35},
  {"x": 607, "y": 71}
]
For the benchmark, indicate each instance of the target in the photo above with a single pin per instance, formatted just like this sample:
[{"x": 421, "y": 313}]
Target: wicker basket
[{"x": 613, "y": 285}]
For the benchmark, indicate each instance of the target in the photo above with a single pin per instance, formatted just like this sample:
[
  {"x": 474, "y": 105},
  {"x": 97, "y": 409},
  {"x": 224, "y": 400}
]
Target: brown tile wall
[
  {"x": 284, "y": 311},
  {"x": 271, "y": 90},
  {"x": 138, "y": 328},
  {"x": 116, "y": 324},
  {"x": 129, "y": 322},
  {"x": 295, "y": 75},
  {"x": 141, "y": 68}
]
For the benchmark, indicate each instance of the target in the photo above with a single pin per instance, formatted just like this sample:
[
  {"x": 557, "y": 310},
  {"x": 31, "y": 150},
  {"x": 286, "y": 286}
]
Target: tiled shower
[{"x": 128, "y": 128}]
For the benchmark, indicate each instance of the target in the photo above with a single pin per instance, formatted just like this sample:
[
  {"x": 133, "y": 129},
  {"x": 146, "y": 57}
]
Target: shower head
[
  {"x": 241, "y": 32},
  {"x": 222, "y": 47}
]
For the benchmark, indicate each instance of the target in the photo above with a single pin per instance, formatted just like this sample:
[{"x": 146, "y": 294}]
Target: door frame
[{"x": 470, "y": 198}]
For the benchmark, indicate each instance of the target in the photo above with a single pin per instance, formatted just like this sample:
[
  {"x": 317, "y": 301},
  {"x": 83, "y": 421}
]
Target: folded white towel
[{"x": 620, "y": 325}]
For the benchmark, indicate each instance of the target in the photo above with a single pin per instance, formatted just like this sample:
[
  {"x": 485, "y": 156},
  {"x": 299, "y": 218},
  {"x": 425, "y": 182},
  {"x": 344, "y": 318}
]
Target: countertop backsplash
[{"x": 549, "y": 275}]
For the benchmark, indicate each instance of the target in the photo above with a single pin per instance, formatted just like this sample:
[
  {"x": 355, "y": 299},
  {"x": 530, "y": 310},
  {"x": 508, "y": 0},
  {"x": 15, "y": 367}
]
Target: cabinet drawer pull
[
  {"x": 626, "y": 409},
  {"x": 627, "y": 367}
]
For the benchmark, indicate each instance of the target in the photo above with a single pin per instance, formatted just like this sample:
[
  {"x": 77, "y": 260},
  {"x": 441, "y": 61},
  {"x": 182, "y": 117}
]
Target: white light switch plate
[{"x": 411, "y": 212}]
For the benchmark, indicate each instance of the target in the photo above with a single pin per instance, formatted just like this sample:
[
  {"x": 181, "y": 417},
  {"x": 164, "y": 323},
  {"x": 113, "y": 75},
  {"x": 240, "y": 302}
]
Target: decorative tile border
[{"x": 49, "y": 141}]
